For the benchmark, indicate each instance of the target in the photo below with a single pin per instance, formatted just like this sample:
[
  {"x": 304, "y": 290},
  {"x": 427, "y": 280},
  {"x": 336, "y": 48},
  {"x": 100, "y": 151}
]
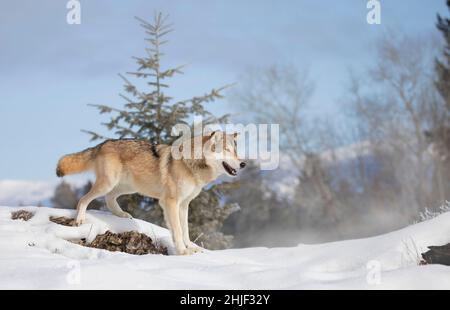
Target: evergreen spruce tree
[{"x": 151, "y": 114}]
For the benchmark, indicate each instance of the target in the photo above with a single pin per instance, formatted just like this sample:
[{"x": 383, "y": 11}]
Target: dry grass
[
  {"x": 131, "y": 242},
  {"x": 412, "y": 253},
  {"x": 21, "y": 215},
  {"x": 62, "y": 220}
]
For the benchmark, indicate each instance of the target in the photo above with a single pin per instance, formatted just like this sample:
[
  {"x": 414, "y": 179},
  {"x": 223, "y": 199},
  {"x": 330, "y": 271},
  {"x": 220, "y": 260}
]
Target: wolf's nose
[{"x": 242, "y": 165}]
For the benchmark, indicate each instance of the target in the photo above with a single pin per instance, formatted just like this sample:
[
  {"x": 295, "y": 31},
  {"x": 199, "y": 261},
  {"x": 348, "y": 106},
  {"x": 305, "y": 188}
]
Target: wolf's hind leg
[
  {"x": 113, "y": 205},
  {"x": 100, "y": 188}
]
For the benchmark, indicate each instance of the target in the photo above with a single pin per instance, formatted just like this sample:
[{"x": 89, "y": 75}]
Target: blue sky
[{"x": 50, "y": 71}]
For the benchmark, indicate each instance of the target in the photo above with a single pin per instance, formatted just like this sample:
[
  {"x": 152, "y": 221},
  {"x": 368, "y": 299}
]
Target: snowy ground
[{"x": 36, "y": 255}]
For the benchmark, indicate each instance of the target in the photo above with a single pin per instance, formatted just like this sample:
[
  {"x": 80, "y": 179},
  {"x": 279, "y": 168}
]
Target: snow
[
  {"x": 13, "y": 192},
  {"x": 26, "y": 192},
  {"x": 36, "y": 255}
]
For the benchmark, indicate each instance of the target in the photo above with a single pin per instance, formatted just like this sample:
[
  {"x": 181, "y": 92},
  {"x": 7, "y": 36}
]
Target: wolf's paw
[
  {"x": 189, "y": 251},
  {"x": 194, "y": 248},
  {"x": 186, "y": 251},
  {"x": 124, "y": 215},
  {"x": 80, "y": 221}
]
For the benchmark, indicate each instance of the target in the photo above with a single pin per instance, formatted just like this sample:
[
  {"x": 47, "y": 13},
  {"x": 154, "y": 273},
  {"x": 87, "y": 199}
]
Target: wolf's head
[{"x": 220, "y": 152}]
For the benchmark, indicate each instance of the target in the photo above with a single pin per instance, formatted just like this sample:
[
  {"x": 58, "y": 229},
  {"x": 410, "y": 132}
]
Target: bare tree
[
  {"x": 395, "y": 103},
  {"x": 281, "y": 94}
]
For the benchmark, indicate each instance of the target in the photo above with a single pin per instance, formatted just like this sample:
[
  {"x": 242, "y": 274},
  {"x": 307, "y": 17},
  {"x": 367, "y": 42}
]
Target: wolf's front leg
[
  {"x": 184, "y": 211},
  {"x": 172, "y": 216}
]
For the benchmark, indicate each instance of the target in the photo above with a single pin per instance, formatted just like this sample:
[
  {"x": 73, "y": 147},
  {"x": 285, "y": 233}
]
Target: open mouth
[{"x": 230, "y": 170}]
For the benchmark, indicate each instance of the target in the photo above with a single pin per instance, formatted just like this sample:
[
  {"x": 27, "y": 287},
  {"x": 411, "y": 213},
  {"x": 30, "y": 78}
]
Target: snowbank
[{"x": 36, "y": 255}]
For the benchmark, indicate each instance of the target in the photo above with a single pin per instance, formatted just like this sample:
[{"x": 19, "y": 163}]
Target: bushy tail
[{"x": 75, "y": 163}]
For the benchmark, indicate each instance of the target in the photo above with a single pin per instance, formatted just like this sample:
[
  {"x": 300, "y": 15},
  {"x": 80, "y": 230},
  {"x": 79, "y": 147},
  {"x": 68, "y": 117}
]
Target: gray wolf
[{"x": 129, "y": 166}]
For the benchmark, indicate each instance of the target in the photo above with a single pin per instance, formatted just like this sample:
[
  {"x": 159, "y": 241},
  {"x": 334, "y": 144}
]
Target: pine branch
[
  {"x": 104, "y": 108},
  {"x": 171, "y": 72},
  {"x": 94, "y": 135},
  {"x": 141, "y": 74}
]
